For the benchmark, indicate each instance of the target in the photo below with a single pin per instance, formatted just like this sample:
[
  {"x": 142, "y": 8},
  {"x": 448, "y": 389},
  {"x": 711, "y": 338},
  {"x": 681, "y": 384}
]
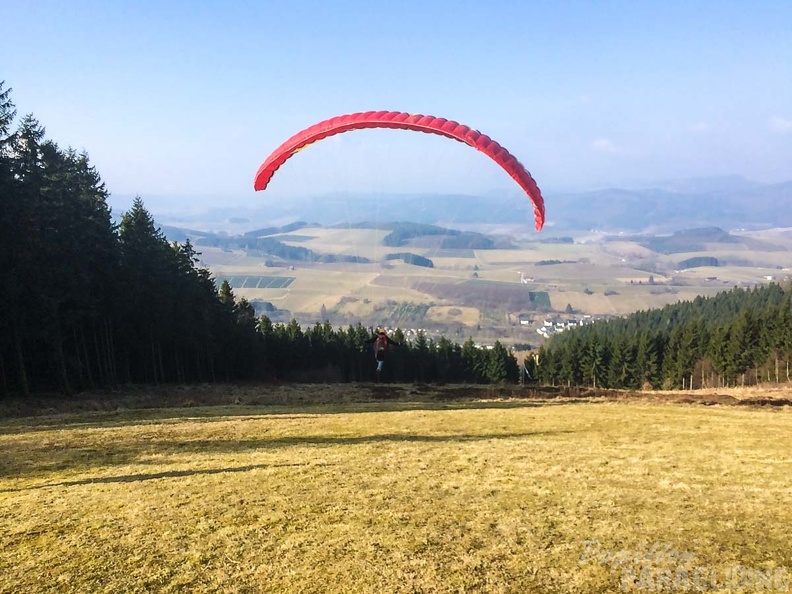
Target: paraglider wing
[{"x": 405, "y": 121}]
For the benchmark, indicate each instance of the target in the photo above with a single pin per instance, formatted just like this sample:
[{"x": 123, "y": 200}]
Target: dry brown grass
[
  {"x": 497, "y": 496},
  {"x": 469, "y": 316},
  {"x": 760, "y": 392}
]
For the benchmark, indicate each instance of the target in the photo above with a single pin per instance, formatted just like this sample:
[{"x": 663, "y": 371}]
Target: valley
[{"x": 507, "y": 292}]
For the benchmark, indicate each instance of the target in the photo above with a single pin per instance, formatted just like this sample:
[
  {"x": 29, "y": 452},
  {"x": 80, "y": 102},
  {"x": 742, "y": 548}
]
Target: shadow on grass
[
  {"x": 214, "y": 446},
  {"x": 131, "y": 478},
  {"x": 253, "y": 411},
  {"x": 39, "y": 461}
]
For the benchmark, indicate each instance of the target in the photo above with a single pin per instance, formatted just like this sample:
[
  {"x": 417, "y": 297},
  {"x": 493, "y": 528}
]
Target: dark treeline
[
  {"x": 743, "y": 336},
  {"x": 402, "y": 232},
  {"x": 263, "y": 232},
  {"x": 689, "y": 240},
  {"x": 87, "y": 304},
  {"x": 322, "y": 352},
  {"x": 410, "y": 258},
  {"x": 697, "y": 261},
  {"x": 270, "y": 246}
]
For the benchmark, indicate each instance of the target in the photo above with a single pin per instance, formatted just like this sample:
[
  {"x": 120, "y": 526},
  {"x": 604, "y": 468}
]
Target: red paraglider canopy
[{"x": 405, "y": 121}]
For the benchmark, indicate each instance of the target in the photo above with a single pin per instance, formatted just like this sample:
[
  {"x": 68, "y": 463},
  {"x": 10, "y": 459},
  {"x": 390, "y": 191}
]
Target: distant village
[{"x": 558, "y": 325}]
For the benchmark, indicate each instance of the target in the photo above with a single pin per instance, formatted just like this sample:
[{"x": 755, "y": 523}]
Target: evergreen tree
[
  {"x": 502, "y": 365},
  {"x": 595, "y": 363},
  {"x": 11, "y": 287},
  {"x": 472, "y": 362},
  {"x": 737, "y": 335},
  {"x": 621, "y": 373}
]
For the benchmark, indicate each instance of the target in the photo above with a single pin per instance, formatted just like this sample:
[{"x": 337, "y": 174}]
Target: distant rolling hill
[
  {"x": 658, "y": 210},
  {"x": 728, "y": 203},
  {"x": 260, "y": 241},
  {"x": 698, "y": 240}
]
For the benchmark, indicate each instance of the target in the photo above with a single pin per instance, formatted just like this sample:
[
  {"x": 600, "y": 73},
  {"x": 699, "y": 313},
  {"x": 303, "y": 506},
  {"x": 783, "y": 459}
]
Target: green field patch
[
  {"x": 296, "y": 238},
  {"x": 236, "y": 282},
  {"x": 256, "y": 281},
  {"x": 540, "y": 298},
  {"x": 276, "y": 282}
]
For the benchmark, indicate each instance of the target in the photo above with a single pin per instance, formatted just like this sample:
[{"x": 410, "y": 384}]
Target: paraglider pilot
[{"x": 381, "y": 342}]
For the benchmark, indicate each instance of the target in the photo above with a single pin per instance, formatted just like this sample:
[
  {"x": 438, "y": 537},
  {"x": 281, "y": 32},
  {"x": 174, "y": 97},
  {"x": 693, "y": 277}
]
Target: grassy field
[{"x": 529, "y": 495}]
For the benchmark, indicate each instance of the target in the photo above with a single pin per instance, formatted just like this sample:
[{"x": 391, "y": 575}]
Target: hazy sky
[{"x": 189, "y": 97}]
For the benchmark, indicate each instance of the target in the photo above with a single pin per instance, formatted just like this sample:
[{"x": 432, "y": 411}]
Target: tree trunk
[
  {"x": 4, "y": 383},
  {"x": 198, "y": 374},
  {"x": 103, "y": 376},
  {"x": 88, "y": 371},
  {"x": 154, "y": 361},
  {"x": 177, "y": 363},
  {"x": 127, "y": 367},
  {"x": 23, "y": 378},
  {"x": 62, "y": 371},
  {"x": 78, "y": 356},
  {"x": 110, "y": 353},
  {"x": 211, "y": 364},
  {"x": 161, "y": 365}
]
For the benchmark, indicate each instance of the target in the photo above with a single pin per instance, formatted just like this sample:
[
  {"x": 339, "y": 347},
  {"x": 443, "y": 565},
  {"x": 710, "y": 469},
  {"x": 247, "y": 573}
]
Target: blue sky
[{"x": 186, "y": 98}]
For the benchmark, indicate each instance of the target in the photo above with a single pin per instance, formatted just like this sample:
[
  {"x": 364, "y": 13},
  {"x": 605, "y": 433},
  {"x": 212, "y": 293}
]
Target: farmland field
[
  {"x": 256, "y": 282},
  {"x": 416, "y": 494},
  {"x": 596, "y": 275},
  {"x": 465, "y": 315}
]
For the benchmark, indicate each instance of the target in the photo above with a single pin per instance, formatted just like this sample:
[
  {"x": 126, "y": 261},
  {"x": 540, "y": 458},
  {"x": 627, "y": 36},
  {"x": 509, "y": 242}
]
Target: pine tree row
[
  {"x": 742, "y": 336},
  {"x": 86, "y": 304},
  {"x": 324, "y": 353}
]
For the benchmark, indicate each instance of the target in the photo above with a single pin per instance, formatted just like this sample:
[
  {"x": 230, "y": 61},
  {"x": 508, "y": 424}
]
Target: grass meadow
[{"x": 501, "y": 495}]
